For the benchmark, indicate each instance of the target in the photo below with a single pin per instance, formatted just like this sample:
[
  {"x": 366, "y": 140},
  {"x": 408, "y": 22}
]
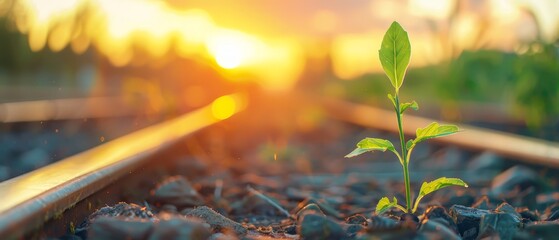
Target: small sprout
[
  {"x": 394, "y": 54},
  {"x": 384, "y": 204}
]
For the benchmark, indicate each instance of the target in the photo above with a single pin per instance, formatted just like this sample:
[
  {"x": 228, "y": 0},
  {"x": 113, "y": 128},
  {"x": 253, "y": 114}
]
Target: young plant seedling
[{"x": 394, "y": 54}]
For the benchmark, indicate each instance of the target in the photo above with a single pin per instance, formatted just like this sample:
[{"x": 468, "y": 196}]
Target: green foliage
[
  {"x": 404, "y": 106},
  {"x": 429, "y": 187},
  {"x": 395, "y": 55},
  {"x": 537, "y": 91},
  {"x": 371, "y": 144},
  {"x": 384, "y": 204},
  {"x": 434, "y": 130}
]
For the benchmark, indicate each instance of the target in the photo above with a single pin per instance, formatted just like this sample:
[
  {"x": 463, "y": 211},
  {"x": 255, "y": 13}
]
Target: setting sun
[{"x": 231, "y": 48}]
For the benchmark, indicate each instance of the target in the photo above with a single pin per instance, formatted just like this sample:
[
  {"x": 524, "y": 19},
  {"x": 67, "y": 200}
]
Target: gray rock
[
  {"x": 316, "y": 226},
  {"x": 539, "y": 230},
  {"x": 253, "y": 204},
  {"x": 437, "y": 212},
  {"x": 502, "y": 224},
  {"x": 310, "y": 208},
  {"x": 467, "y": 219},
  {"x": 553, "y": 216},
  {"x": 352, "y": 229},
  {"x": 382, "y": 223},
  {"x": 169, "y": 208},
  {"x": 515, "y": 177},
  {"x": 180, "y": 228},
  {"x": 222, "y": 236},
  {"x": 123, "y": 210},
  {"x": 487, "y": 162},
  {"x": 356, "y": 219},
  {"x": 177, "y": 191},
  {"x": 217, "y": 221},
  {"x": 105, "y": 227},
  {"x": 323, "y": 204},
  {"x": 436, "y": 230},
  {"x": 507, "y": 208},
  {"x": 529, "y": 216}
]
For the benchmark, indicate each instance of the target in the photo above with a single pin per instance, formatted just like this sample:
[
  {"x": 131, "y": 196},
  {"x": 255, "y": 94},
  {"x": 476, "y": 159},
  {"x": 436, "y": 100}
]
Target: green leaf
[
  {"x": 413, "y": 105},
  {"x": 371, "y": 144},
  {"x": 395, "y": 54},
  {"x": 392, "y": 99},
  {"x": 384, "y": 204},
  {"x": 409, "y": 144},
  {"x": 434, "y": 130},
  {"x": 429, "y": 187}
]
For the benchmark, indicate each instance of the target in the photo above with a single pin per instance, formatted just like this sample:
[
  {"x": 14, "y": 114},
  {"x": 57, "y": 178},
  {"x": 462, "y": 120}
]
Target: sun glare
[
  {"x": 231, "y": 48},
  {"x": 225, "y": 106}
]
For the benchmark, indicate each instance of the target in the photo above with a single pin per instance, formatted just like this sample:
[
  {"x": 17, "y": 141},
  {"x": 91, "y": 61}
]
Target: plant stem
[{"x": 404, "y": 152}]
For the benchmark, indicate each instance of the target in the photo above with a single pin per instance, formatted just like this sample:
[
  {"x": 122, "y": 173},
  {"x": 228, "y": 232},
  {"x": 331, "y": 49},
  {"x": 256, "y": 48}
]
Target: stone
[
  {"x": 169, "y": 208},
  {"x": 174, "y": 227},
  {"x": 217, "y": 221},
  {"x": 507, "y": 208},
  {"x": 356, "y": 219},
  {"x": 177, "y": 191},
  {"x": 467, "y": 220},
  {"x": 382, "y": 223},
  {"x": 169, "y": 227},
  {"x": 539, "y": 230},
  {"x": 222, "y": 236},
  {"x": 352, "y": 229},
  {"x": 515, "y": 177},
  {"x": 323, "y": 204},
  {"x": 316, "y": 226},
  {"x": 553, "y": 216},
  {"x": 123, "y": 210},
  {"x": 529, "y": 216},
  {"x": 502, "y": 224},
  {"x": 409, "y": 220},
  {"x": 253, "y": 204},
  {"x": 438, "y": 212},
  {"x": 104, "y": 227},
  {"x": 310, "y": 208},
  {"x": 291, "y": 229},
  {"x": 486, "y": 161},
  {"x": 436, "y": 230}
]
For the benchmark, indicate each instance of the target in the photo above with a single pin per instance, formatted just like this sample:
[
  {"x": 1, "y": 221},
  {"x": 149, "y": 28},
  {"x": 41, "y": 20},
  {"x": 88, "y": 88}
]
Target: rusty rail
[{"x": 33, "y": 198}]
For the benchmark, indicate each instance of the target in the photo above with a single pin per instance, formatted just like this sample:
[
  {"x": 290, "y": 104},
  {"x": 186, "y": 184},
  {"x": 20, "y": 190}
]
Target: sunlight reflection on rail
[{"x": 28, "y": 186}]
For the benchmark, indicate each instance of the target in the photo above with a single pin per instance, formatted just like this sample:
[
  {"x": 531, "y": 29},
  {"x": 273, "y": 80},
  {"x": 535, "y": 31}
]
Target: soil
[{"x": 283, "y": 176}]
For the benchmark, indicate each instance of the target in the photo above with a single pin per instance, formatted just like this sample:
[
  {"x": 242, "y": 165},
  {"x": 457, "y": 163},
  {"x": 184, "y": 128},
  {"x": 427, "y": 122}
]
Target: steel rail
[
  {"x": 70, "y": 108},
  {"x": 529, "y": 150},
  {"x": 33, "y": 198}
]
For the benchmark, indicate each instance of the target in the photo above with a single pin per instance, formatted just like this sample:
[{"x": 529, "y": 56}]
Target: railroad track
[{"x": 32, "y": 199}]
